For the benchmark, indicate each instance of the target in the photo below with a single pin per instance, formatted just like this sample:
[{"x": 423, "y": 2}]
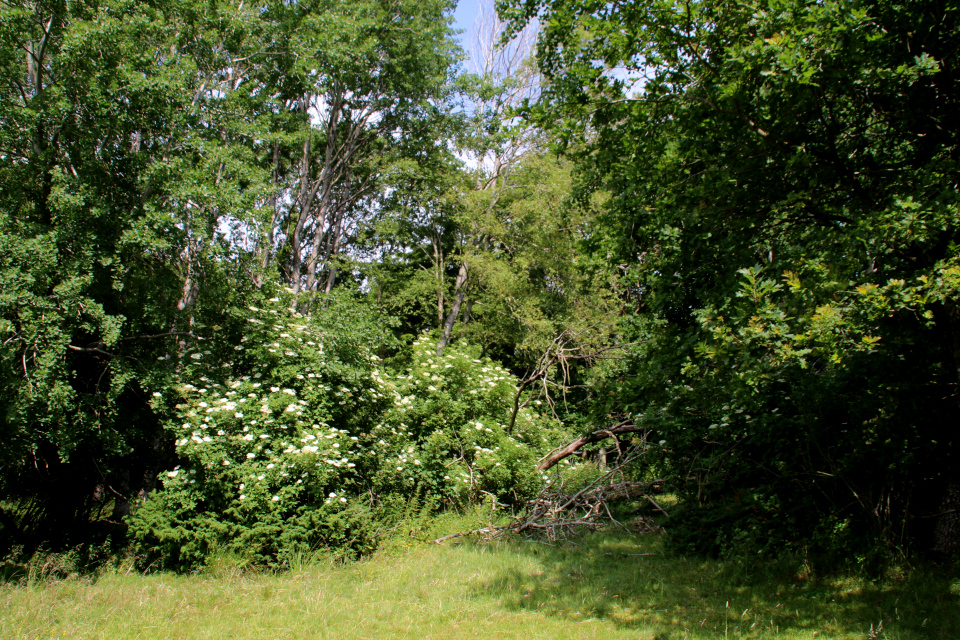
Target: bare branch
[{"x": 601, "y": 434}]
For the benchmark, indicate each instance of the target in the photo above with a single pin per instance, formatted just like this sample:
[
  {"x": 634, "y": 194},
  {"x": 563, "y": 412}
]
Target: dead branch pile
[{"x": 557, "y": 514}]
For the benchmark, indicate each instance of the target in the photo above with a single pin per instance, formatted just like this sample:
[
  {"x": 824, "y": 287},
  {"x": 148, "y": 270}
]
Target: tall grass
[{"x": 608, "y": 586}]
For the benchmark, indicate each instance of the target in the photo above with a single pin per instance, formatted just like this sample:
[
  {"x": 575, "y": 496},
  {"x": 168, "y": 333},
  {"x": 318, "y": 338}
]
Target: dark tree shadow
[{"x": 626, "y": 579}]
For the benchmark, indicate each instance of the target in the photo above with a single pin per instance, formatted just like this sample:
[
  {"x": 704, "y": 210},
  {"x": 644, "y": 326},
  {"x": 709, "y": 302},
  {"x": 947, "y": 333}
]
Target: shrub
[
  {"x": 446, "y": 430},
  {"x": 270, "y": 460},
  {"x": 303, "y": 439}
]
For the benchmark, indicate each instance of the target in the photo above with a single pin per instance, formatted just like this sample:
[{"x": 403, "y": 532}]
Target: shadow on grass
[{"x": 626, "y": 579}]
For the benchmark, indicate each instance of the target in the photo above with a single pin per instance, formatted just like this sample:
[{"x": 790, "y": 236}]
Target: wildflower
[
  {"x": 251, "y": 455},
  {"x": 276, "y": 498}
]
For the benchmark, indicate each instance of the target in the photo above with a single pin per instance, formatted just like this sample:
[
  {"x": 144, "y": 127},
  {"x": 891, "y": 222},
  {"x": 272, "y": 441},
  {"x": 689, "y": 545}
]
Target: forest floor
[{"x": 606, "y": 586}]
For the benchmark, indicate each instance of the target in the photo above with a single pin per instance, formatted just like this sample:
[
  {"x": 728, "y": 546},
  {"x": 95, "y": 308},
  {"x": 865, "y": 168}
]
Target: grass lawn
[{"x": 607, "y": 586}]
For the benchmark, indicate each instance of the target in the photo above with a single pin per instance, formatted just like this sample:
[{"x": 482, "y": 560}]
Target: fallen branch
[
  {"x": 601, "y": 434},
  {"x": 466, "y": 533},
  {"x": 556, "y": 514}
]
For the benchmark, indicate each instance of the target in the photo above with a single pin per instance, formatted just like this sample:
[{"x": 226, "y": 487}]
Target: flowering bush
[
  {"x": 269, "y": 460},
  {"x": 293, "y": 443},
  {"x": 446, "y": 430}
]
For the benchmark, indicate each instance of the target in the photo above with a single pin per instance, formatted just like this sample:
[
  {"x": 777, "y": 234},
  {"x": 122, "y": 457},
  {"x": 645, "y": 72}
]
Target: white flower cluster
[{"x": 272, "y": 440}]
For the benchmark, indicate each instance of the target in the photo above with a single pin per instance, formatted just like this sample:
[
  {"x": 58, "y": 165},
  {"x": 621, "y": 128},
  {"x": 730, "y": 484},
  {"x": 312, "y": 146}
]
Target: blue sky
[{"x": 466, "y": 14}]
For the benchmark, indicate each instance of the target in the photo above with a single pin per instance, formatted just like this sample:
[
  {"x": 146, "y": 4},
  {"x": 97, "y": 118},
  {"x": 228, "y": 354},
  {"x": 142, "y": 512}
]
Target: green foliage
[
  {"x": 446, "y": 432},
  {"x": 270, "y": 459},
  {"x": 148, "y": 152},
  {"x": 781, "y": 209},
  {"x": 121, "y": 160},
  {"x": 295, "y": 438}
]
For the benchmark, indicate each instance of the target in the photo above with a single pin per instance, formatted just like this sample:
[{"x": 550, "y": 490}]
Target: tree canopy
[{"x": 782, "y": 181}]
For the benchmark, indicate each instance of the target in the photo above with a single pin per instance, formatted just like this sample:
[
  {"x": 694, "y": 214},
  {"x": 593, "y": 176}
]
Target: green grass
[{"x": 604, "y": 587}]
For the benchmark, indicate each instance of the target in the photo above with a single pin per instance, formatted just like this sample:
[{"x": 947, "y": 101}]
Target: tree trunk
[{"x": 460, "y": 291}]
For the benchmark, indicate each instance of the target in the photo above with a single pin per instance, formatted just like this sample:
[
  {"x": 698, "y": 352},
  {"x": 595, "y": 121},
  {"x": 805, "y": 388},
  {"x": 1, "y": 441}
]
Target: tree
[
  {"x": 365, "y": 79},
  {"x": 493, "y": 140},
  {"x": 122, "y": 156},
  {"x": 783, "y": 199},
  {"x": 153, "y": 159}
]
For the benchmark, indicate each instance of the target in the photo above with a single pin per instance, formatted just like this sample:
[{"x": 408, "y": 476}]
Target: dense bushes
[{"x": 304, "y": 438}]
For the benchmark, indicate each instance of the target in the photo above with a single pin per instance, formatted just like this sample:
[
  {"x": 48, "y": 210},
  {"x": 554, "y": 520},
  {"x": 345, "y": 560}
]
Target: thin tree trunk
[
  {"x": 267, "y": 251},
  {"x": 438, "y": 267},
  {"x": 305, "y": 203},
  {"x": 331, "y": 279},
  {"x": 460, "y": 289}
]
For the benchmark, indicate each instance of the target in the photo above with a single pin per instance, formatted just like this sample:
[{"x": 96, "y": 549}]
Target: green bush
[
  {"x": 269, "y": 461},
  {"x": 446, "y": 430},
  {"x": 303, "y": 440}
]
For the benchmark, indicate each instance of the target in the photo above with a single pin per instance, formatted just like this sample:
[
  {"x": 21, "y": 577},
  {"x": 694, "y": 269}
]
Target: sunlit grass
[{"x": 607, "y": 586}]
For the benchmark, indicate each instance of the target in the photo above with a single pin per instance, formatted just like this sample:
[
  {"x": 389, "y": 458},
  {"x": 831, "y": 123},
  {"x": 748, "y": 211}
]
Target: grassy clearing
[{"x": 606, "y": 587}]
